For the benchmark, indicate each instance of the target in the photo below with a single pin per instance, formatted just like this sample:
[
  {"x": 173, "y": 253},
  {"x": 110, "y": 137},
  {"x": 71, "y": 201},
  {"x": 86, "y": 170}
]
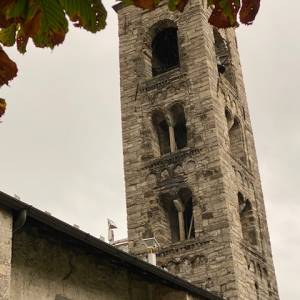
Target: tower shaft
[{"x": 191, "y": 172}]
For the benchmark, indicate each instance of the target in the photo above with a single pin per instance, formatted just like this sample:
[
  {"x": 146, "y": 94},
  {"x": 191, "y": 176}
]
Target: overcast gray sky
[{"x": 61, "y": 147}]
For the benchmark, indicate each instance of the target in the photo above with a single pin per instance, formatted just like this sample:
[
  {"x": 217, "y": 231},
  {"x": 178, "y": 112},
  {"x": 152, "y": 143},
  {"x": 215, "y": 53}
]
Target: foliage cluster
[{"x": 46, "y": 22}]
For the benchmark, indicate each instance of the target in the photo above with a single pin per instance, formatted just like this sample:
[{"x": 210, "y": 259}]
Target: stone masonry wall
[
  {"x": 5, "y": 253},
  {"x": 219, "y": 257},
  {"x": 50, "y": 266},
  {"x": 243, "y": 176}
]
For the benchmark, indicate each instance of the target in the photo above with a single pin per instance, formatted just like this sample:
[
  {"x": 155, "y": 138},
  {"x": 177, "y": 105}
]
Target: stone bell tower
[{"x": 191, "y": 172}]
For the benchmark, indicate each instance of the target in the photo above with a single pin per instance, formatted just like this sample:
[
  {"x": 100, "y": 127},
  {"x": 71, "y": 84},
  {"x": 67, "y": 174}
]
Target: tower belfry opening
[
  {"x": 165, "y": 55},
  {"x": 171, "y": 217},
  {"x": 247, "y": 220},
  {"x": 187, "y": 150},
  {"x": 186, "y": 197},
  {"x": 223, "y": 56},
  {"x": 162, "y": 131},
  {"x": 179, "y": 124},
  {"x": 178, "y": 214}
]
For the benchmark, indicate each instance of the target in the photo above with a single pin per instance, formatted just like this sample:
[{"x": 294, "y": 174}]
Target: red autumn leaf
[
  {"x": 181, "y": 5},
  {"x": 218, "y": 19},
  {"x": 32, "y": 26},
  {"x": 76, "y": 20},
  {"x": 29, "y": 29},
  {"x": 57, "y": 37},
  {"x": 2, "y": 107},
  {"x": 5, "y": 3},
  {"x": 8, "y": 69},
  {"x": 145, "y": 4},
  {"x": 3, "y": 21},
  {"x": 249, "y": 11},
  {"x": 225, "y": 16}
]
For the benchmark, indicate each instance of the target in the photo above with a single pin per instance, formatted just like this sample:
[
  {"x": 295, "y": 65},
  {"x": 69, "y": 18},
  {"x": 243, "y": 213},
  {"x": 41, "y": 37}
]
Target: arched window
[
  {"x": 162, "y": 130},
  {"x": 236, "y": 139},
  {"x": 179, "y": 215},
  {"x": 257, "y": 290},
  {"x": 171, "y": 130},
  {"x": 179, "y": 125},
  {"x": 165, "y": 54},
  {"x": 247, "y": 220},
  {"x": 171, "y": 217},
  {"x": 229, "y": 118},
  {"x": 186, "y": 198},
  {"x": 223, "y": 56}
]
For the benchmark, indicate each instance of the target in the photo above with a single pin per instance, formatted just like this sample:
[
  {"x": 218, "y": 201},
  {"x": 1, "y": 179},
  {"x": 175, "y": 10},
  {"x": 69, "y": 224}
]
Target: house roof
[{"x": 126, "y": 260}]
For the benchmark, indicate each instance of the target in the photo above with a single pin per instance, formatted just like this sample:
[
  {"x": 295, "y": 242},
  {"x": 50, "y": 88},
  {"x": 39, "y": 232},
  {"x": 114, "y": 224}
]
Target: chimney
[
  {"x": 151, "y": 258},
  {"x": 111, "y": 227},
  {"x": 152, "y": 247}
]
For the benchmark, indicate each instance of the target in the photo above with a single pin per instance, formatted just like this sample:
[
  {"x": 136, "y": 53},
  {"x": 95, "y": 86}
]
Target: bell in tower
[{"x": 191, "y": 172}]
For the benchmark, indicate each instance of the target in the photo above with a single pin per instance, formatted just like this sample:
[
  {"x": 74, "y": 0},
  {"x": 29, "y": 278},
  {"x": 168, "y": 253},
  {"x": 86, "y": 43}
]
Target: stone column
[
  {"x": 5, "y": 253},
  {"x": 180, "y": 210},
  {"x": 172, "y": 139},
  {"x": 170, "y": 122}
]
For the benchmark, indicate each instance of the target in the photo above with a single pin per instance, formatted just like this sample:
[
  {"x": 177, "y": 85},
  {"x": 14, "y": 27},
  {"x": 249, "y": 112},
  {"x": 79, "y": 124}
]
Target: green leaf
[
  {"x": 127, "y": 2},
  {"x": 8, "y": 35},
  {"x": 53, "y": 24},
  {"x": 89, "y": 14},
  {"x": 172, "y": 5},
  {"x": 18, "y": 9}
]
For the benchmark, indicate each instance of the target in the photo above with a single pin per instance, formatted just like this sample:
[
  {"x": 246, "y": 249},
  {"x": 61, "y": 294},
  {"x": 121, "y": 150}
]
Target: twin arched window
[
  {"x": 170, "y": 129},
  {"x": 179, "y": 215}
]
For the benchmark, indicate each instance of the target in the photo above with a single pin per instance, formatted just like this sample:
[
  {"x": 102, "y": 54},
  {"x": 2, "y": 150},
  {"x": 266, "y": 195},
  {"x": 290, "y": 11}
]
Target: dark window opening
[
  {"x": 257, "y": 290},
  {"x": 165, "y": 54},
  {"x": 173, "y": 222},
  {"x": 189, "y": 220},
  {"x": 229, "y": 119},
  {"x": 223, "y": 57},
  {"x": 236, "y": 140},
  {"x": 171, "y": 215},
  {"x": 180, "y": 130},
  {"x": 221, "y": 49},
  {"x": 247, "y": 220},
  {"x": 179, "y": 217},
  {"x": 162, "y": 131},
  {"x": 185, "y": 196}
]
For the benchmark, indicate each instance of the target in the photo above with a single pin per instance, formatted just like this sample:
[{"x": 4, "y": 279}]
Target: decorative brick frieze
[
  {"x": 165, "y": 80},
  {"x": 176, "y": 158}
]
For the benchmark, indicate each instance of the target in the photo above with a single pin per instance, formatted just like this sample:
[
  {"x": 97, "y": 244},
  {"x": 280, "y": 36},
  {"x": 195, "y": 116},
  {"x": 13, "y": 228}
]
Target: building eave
[{"x": 125, "y": 259}]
